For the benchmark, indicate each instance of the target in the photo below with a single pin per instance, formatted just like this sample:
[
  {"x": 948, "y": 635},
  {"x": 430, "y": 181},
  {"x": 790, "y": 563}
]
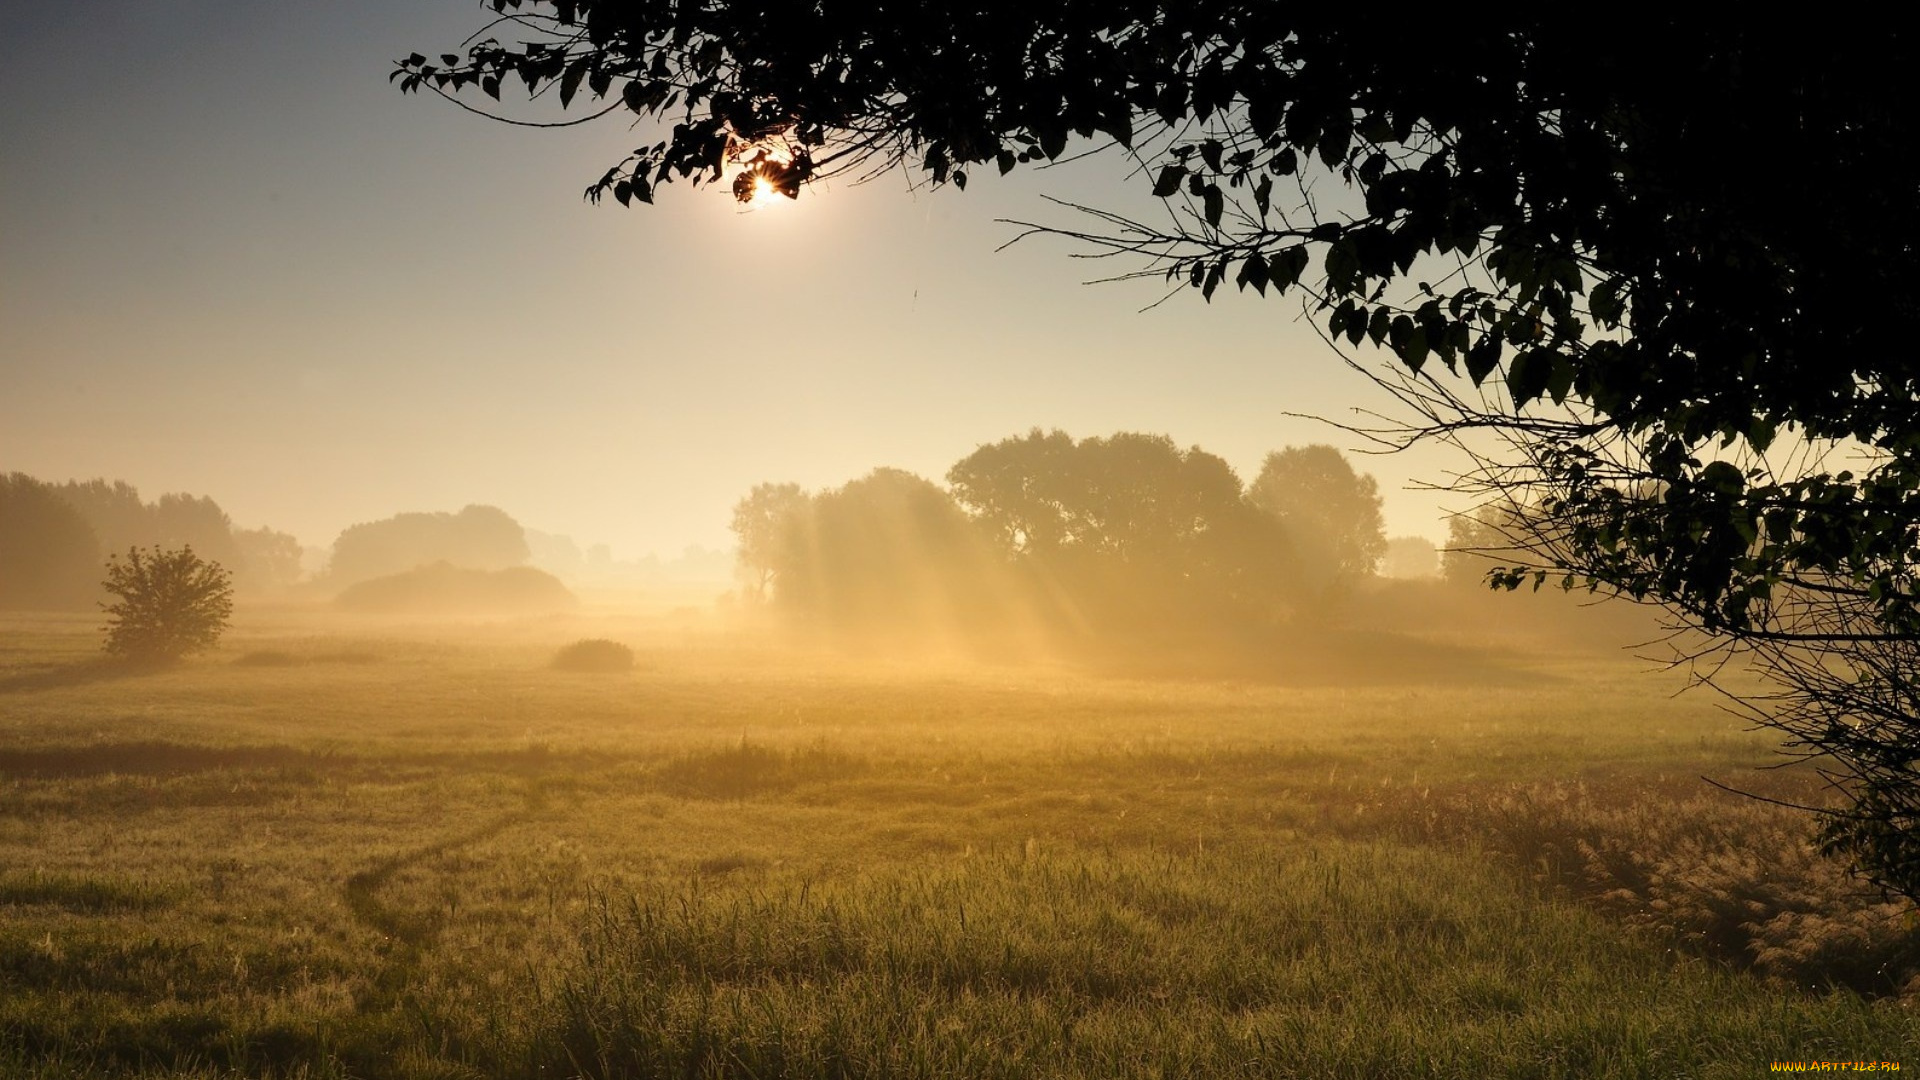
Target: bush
[
  {"x": 594, "y": 654},
  {"x": 168, "y": 604}
]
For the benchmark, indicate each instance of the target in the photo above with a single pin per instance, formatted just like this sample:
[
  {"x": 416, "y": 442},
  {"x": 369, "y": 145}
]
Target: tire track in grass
[
  {"x": 414, "y": 930},
  {"x": 409, "y": 935}
]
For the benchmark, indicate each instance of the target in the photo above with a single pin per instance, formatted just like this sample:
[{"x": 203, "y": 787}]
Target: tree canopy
[
  {"x": 1325, "y": 505},
  {"x": 1097, "y": 541},
  {"x": 1670, "y": 262},
  {"x": 476, "y": 538},
  {"x": 49, "y": 554}
]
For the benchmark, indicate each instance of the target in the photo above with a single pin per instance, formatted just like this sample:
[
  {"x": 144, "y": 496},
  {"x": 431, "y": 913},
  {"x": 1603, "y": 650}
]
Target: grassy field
[{"x": 338, "y": 849}]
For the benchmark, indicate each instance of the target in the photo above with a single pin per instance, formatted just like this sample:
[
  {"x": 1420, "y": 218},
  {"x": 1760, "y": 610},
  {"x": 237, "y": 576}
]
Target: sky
[{"x": 236, "y": 262}]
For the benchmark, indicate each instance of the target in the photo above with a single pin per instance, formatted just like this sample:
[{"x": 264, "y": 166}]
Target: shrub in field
[
  {"x": 594, "y": 655},
  {"x": 166, "y": 604}
]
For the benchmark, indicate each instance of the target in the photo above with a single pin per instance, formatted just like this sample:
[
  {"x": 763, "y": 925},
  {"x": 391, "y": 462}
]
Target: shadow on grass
[
  {"x": 81, "y": 673},
  {"x": 1330, "y": 657},
  {"x": 159, "y": 758},
  {"x": 87, "y": 895},
  {"x": 280, "y": 658},
  {"x": 153, "y": 758}
]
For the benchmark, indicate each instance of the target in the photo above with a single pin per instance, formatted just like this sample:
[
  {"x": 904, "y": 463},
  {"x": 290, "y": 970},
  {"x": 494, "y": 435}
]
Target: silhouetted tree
[
  {"x": 1602, "y": 230},
  {"x": 167, "y": 604},
  {"x": 1490, "y": 536},
  {"x": 1325, "y": 506},
  {"x": 1126, "y": 529},
  {"x": 476, "y": 538},
  {"x": 1410, "y": 557},
  {"x": 269, "y": 560},
  {"x": 1026, "y": 491},
  {"x": 122, "y": 519},
  {"x": 49, "y": 556},
  {"x": 888, "y": 552},
  {"x": 557, "y": 555},
  {"x": 761, "y": 522},
  {"x": 114, "y": 510}
]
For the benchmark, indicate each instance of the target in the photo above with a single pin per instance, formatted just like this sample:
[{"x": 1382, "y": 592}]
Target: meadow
[{"x": 344, "y": 848}]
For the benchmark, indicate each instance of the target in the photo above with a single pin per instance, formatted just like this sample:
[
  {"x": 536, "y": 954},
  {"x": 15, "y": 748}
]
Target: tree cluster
[
  {"x": 49, "y": 554},
  {"x": 1121, "y": 536},
  {"x": 52, "y": 537},
  {"x": 476, "y": 538}
]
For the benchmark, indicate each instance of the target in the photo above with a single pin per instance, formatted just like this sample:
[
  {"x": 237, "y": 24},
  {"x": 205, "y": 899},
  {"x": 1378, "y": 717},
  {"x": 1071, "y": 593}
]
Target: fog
[{"x": 1122, "y": 553}]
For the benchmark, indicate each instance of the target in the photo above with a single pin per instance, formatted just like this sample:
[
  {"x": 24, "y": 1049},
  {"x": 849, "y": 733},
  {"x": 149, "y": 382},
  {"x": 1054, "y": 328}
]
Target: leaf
[
  {"x": 1343, "y": 266},
  {"x": 1343, "y": 313},
  {"x": 1263, "y": 113},
  {"x": 1414, "y": 353},
  {"x": 1526, "y": 377},
  {"x": 1377, "y": 325},
  {"x": 570, "y": 81},
  {"x": 1168, "y": 181},
  {"x": 1253, "y": 271},
  {"x": 1560, "y": 379},
  {"x": 1285, "y": 271},
  {"x": 1213, "y": 203},
  {"x": 1483, "y": 357},
  {"x": 1605, "y": 302},
  {"x": 1053, "y": 141}
]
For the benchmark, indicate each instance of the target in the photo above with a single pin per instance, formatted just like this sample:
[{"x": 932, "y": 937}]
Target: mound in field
[
  {"x": 594, "y": 655},
  {"x": 444, "y": 589}
]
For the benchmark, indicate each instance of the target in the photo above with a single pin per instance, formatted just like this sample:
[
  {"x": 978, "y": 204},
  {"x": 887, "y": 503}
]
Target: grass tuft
[{"x": 747, "y": 769}]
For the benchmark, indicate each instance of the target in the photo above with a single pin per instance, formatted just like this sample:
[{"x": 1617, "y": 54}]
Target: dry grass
[{"x": 458, "y": 862}]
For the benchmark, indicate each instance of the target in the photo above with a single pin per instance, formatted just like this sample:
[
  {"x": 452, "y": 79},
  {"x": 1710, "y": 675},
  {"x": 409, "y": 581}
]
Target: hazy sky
[{"x": 234, "y": 261}]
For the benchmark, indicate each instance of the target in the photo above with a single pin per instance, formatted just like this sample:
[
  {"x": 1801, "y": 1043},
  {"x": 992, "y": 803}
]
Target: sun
[{"x": 767, "y": 173}]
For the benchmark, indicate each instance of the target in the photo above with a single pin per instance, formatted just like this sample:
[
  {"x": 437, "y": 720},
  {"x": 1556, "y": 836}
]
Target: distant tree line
[
  {"x": 54, "y": 539},
  {"x": 1127, "y": 535},
  {"x": 476, "y": 538}
]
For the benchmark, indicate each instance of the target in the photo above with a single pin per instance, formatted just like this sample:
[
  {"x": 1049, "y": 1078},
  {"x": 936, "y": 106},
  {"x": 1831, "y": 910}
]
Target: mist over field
[
  {"x": 1031, "y": 541},
  {"x": 1086, "y": 759}
]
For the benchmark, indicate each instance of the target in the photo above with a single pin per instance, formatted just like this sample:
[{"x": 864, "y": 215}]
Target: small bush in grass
[
  {"x": 594, "y": 654},
  {"x": 167, "y": 603}
]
